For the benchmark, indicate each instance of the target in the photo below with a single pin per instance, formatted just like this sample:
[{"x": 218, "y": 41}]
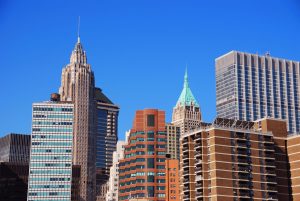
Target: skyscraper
[
  {"x": 50, "y": 168},
  {"x": 186, "y": 113},
  {"x": 142, "y": 171},
  {"x": 107, "y": 137},
  {"x": 77, "y": 85},
  {"x": 250, "y": 87}
]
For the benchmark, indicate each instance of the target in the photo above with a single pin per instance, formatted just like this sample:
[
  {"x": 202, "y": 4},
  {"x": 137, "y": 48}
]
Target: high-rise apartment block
[
  {"x": 15, "y": 148},
  {"x": 173, "y": 136},
  {"x": 50, "y": 169},
  {"x": 113, "y": 183},
  {"x": 186, "y": 113},
  {"x": 78, "y": 86},
  {"x": 236, "y": 160},
  {"x": 250, "y": 87},
  {"x": 142, "y": 171}
]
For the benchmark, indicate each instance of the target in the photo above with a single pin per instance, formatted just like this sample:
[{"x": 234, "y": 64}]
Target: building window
[{"x": 150, "y": 120}]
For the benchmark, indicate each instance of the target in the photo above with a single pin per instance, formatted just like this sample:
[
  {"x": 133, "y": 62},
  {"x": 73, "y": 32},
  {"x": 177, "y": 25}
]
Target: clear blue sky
[{"x": 137, "y": 49}]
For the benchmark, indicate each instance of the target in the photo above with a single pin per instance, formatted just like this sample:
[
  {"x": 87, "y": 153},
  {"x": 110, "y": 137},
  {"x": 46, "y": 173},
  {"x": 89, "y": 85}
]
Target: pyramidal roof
[{"x": 186, "y": 97}]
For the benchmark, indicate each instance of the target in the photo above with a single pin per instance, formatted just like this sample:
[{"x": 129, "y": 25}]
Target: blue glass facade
[{"x": 50, "y": 172}]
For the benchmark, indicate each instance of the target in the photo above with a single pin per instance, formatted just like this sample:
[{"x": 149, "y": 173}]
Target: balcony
[
  {"x": 271, "y": 188},
  {"x": 269, "y": 163},
  {"x": 198, "y": 169},
  {"x": 272, "y": 196},
  {"x": 186, "y": 188},
  {"x": 270, "y": 178},
  {"x": 199, "y": 185},
  {"x": 199, "y": 193},
  {"x": 270, "y": 171},
  {"x": 244, "y": 193},
  {"x": 269, "y": 155},
  {"x": 240, "y": 135},
  {"x": 186, "y": 196}
]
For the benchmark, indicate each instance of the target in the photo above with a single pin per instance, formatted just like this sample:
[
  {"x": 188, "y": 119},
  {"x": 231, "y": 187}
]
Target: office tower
[
  {"x": 113, "y": 183},
  {"x": 172, "y": 179},
  {"x": 173, "y": 135},
  {"x": 50, "y": 168},
  {"x": 293, "y": 148},
  {"x": 77, "y": 85},
  {"x": 142, "y": 171},
  {"x": 13, "y": 181},
  {"x": 186, "y": 113},
  {"x": 250, "y": 87},
  {"x": 107, "y": 137},
  {"x": 236, "y": 160},
  {"x": 15, "y": 148}
]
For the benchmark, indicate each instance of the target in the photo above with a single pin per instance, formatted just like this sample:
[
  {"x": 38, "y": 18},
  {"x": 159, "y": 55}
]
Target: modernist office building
[
  {"x": 186, "y": 113},
  {"x": 50, "y": 169},
  {"x": 142, "y": 171},
  {"x": 250, "y": 87},
  {"x": 78, "y": 86},
  {"x": 107, "y": 137},
  {"x": 15, "y": 148},
  {"x": 237, "y": 160}
]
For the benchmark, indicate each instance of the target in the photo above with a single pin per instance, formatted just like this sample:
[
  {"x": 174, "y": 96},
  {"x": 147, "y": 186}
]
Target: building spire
[
  {"x": 186, "y": 83},
  {"x": 186, "y": 97},
  {"x": 78, "y": 30}
]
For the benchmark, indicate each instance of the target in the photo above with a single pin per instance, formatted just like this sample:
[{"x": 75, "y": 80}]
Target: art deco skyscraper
[
  {"x": 77, "y": 85},
  {"x": 186, "y": 113}
]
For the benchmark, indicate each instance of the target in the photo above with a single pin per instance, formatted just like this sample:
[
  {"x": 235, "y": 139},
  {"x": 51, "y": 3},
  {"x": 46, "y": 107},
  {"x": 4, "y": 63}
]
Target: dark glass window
[
  {"x": 150, "y": 162},
  {"x": 150, "y": 120},
  {"x": 150, "y": 191}
]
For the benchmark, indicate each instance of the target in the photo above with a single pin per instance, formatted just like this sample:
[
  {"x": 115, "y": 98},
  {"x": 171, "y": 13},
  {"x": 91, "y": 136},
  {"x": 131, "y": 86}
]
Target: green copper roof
[{"x": 186, "y": 97}]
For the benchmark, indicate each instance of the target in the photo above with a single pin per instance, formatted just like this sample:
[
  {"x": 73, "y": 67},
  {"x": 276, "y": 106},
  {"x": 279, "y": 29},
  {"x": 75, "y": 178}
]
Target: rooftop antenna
[{"x": 78, "y": 29}]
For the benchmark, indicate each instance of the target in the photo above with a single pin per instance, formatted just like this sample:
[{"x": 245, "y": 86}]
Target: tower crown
[
  {"x": 186, "y": 97},
  {"x": 78, "y": 54}
]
